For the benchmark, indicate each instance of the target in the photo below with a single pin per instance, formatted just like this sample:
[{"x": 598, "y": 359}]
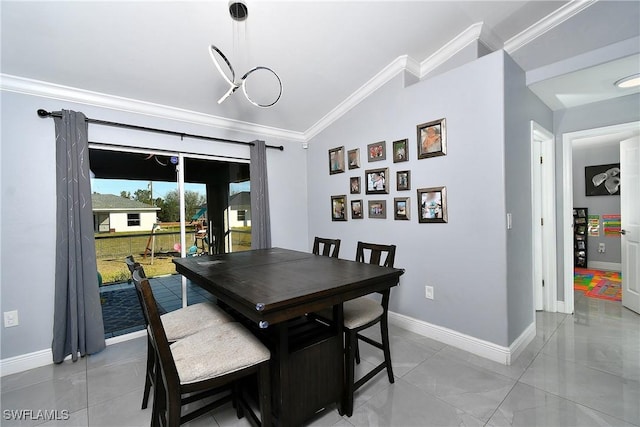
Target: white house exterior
[
  {"x": 113, "y": 213},
  {"x": 240, "y": 210}
]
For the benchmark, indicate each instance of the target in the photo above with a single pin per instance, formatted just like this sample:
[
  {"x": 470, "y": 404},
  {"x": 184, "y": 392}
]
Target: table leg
[{"x": 338, "y": 320}]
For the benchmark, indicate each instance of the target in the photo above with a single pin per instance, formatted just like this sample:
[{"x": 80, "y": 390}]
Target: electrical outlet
[
  {"x": 10, "y": 318},
  {"x": 428, "y": 292},
  {"x": 601, "y": 248}
]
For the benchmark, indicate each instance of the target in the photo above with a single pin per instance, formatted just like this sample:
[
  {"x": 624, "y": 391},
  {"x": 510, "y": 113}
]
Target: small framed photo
[
  {"x": 401, "y": 208},
  {"x": 377, "y": 208},
  {"x": 377, "y": 181},
  {"x": 354, "y": 184},
  {"x": 377, "y": 151},
  {"x": 353, "y": 158},
  {"x": 336, "y": 160},
  {"x": 356, "y": 209},
  {"x": 338, "y": 208},
  {"x": 400, "y": 151},
  {"x": 432, "y": 204},
  {"x": 432, "y": 139},
  {"x": 403, "y": 180}
]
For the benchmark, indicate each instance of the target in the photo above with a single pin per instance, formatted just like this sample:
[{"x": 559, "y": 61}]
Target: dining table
[{"x": 275, "y": 292}]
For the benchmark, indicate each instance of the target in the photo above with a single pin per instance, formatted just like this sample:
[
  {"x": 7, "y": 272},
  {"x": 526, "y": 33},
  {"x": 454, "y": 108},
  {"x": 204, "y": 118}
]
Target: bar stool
[
  {"x": 203, "y": 364},
  {"x": 177, "y": 324}
]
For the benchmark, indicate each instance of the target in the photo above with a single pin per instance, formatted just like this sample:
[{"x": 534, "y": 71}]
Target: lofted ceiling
[{"x": 153, "y": 56}]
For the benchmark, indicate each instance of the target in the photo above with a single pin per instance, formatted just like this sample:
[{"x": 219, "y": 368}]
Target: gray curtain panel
[
  {"x": 77, "y": 320},
  {"x": 260, "y": 217}
]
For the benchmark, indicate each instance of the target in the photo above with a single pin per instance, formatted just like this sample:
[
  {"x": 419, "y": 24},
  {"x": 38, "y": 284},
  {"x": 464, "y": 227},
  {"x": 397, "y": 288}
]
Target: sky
[{"x": 160, "y": 189}]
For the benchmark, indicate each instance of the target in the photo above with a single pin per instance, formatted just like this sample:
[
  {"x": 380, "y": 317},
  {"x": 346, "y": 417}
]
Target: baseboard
[
  {"x": 37, "y": 359},
  {"x": 482, "y": 348},
  {"x": 601, "y": 265}
]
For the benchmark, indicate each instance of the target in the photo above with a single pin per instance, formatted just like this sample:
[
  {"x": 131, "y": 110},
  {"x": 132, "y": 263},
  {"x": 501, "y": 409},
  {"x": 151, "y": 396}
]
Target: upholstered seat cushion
[
  {"x": 361, "y": 311},
  {"x": 217, "y": 351},
  {"x": 357, "y": 312},
  {"x": 192, "y": 318}
]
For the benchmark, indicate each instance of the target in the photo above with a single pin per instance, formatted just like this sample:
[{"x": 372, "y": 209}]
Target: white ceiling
[{"x": 328, "y": 54}]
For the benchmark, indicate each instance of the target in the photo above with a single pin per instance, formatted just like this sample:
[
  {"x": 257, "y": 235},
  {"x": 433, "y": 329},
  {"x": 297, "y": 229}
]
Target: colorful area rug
[{"x": 598, "y": 283}]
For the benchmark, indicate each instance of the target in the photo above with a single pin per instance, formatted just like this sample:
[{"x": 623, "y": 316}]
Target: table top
[{"x": 274, "y": 285}]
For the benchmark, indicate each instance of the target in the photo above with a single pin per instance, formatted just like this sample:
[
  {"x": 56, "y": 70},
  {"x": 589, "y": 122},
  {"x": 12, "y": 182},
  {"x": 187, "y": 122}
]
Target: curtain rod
[{"x": 44, "y": 113}]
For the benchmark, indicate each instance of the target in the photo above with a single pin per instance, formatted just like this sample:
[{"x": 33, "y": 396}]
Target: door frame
[
  {"x": 620, "y": 132},
  {"x": 544, "y": 206}
]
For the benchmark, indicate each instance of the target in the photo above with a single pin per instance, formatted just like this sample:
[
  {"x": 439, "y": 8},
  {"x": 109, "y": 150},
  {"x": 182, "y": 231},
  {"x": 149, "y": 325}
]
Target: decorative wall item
[
  {"x": 353, "y": 158},
  {"x": 432, "y": 139},
  {"x": 611, "y": 225},
  {"x": 401, "y": 208},
  {"x": 354, "y": 184},
  {"x": 432, "y": 204},
  {"x": 602, "y": 180},
  {"x": 403, "y": 180},
  {"x": 356, "y": 209},
  {"x": 336, "y": 160},
  {"x": 339, "y": 208},
  {"x": 377, "y": 181},
  {"x": 400, "y": 151},
  {"x": 377, "y": 151},
  {"x": 377, "y": 208}
]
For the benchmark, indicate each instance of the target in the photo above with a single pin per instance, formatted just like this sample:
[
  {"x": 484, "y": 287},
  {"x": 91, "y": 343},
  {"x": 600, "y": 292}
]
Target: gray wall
[
  {"x": 28, "y": 211},
  {"x": 466, "y": 259},
  {"x": 521, "y": 106},
  {"x": 590, "y": 116},
  {"x": 588, "y": 155}
]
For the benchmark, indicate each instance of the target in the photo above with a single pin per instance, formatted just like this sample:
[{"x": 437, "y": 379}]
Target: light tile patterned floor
[{"x": 581, "y": 370}]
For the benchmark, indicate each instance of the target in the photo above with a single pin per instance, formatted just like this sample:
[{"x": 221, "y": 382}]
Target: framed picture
[
  {"x": 377, "y": 181},
  {"x": 403, "y": 180},
  {"x": 400, "y": 151},
  {"x": 401, "y": 208},
  {"x": 432, "y": 139},
  {"x": 602, "y": 180},
  {"x": 377, "y": 208},
  {"x": 336, "y": 160},
  {"x": 338, "y": 208},
  {"x": 432, "y": 204},
  {"x": 356, "y": 209},
  {"x": 353, "y": 158},
  {"x": 377, "y": 151},
  {"x": 354, "y": 184}
]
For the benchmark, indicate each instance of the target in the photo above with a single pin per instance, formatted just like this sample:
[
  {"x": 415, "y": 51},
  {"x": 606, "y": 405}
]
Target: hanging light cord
[{"x": 233, "y": 86}]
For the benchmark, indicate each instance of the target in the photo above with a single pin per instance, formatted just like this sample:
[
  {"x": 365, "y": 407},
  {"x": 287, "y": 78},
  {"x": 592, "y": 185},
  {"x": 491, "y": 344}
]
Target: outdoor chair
[{"x": 209, "y": 362}]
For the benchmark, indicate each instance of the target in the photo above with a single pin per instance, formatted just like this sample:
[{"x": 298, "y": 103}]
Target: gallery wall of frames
[{"x": 375, "y": 182}]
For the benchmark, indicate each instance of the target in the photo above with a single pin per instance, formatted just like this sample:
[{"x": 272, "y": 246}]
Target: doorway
[{"x": 602, "y": 135}]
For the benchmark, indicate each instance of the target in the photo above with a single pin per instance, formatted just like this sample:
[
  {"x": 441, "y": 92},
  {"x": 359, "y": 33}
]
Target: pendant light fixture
[{"x": 239, "y": 12}]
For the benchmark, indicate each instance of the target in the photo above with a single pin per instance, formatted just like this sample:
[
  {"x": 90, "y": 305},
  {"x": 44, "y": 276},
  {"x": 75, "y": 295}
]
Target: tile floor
[{"x": 581, "y": 370}]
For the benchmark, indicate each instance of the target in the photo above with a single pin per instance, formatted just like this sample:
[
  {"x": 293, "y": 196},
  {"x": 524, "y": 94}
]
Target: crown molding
[
  {"x": 26, "y": 86},
  {"x": 450, "y": 49},
  {"x": 545, "y": 24}
]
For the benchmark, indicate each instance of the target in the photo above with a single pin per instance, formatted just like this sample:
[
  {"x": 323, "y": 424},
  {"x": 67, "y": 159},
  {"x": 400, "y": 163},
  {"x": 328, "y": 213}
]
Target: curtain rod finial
[{"x": 43, "y": 113}]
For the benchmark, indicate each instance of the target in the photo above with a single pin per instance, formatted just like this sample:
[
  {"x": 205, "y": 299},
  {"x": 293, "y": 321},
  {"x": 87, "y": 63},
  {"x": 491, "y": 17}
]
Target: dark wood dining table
[{"x": 273, "y": 291}]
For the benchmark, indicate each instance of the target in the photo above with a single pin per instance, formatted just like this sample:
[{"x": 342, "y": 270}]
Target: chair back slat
[
  {"x": 376, "y": 253},
  {"x": 326, "y": 247}
]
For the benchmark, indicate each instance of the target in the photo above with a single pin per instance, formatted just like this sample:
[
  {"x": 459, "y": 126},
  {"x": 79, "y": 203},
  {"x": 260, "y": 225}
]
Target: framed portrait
[
  {"x": 403, "y": 180},
  {"x": 602, "y": 180},
  {"x": 336, "y": 160},
  {"x": 354, "y": 184},
  {"x": 356, "y": 209},
  {"x": 377, "y": 151},
  {"x": 432, "y": 139},
  {"x": 353, "y": 158},
  {"x": 377, "y": 181},
  {"x": 338, "y": 208},
  {"x": 432, "y": 204},
  {"x": 401, "y": 208},
  {"x": 400, "y": 151},
  {"x": 377, "y": 208}
]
